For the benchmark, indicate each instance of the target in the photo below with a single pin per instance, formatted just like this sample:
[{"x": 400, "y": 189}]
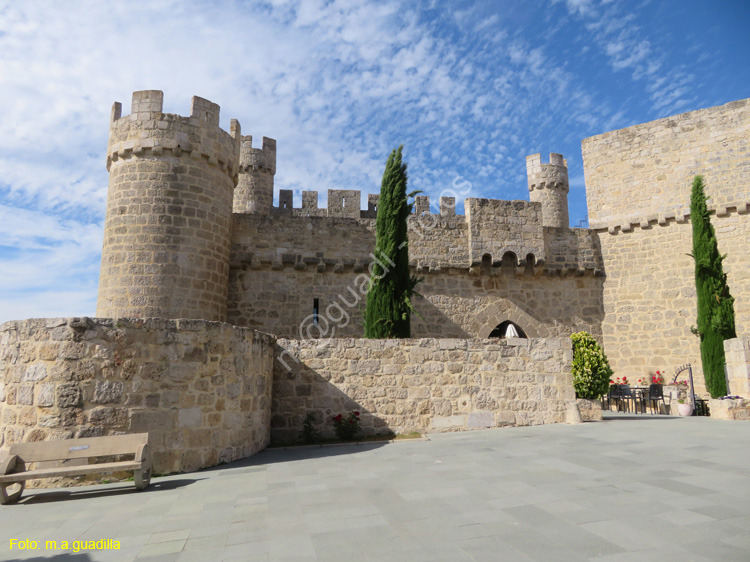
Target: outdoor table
[{"x": 639, "y": 393}]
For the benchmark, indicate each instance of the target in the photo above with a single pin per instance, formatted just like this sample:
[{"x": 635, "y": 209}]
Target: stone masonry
[
  {"x": 638, "y": 189},
  {"x": 169, "y": 212},
  {"x": 420, "y": 385},
  {"x": 202, "y": 390}
]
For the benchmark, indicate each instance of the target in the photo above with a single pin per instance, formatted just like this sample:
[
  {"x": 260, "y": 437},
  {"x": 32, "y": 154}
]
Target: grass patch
[{"x": 410, "y": 435}]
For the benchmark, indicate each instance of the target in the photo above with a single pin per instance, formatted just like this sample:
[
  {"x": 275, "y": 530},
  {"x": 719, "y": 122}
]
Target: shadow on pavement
[
  {"x": 68, "y": 494},
  {"x": 273, "y": 455}
]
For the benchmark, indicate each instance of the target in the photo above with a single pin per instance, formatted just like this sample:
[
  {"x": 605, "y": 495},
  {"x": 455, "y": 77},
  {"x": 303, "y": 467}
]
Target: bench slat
[
  {"x": 72, "y": 471},
  {"x": 79, "y": 448}
]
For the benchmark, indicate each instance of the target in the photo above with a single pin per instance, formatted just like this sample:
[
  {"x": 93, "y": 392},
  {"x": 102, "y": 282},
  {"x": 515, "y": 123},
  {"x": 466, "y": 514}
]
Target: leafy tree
[
  {"x": 715, "y": 304},
  {"x": 388, "y": 308},
  {"x": 591, "y": 371}
]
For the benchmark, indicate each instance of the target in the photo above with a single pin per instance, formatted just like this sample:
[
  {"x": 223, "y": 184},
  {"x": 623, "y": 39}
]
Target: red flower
[
  {"x": 338, "y": 418},
  {"x": 356, "y": 414}
]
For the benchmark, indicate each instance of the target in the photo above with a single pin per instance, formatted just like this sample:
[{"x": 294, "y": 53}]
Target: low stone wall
[
  {"x": 737, "y": 353},
  {"x": 202, "y": 390},
  {"x": 738, "y": 409},
  {"x": 420, "y": 384}
]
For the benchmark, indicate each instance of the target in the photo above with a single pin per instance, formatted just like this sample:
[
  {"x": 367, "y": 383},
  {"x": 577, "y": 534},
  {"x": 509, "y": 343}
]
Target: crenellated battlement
[
  {"x": 346, "y": 203},
  {"x": 261, "y": 159},
  {"x": 548, "y": 185},
  {"x": 149, "y": 133},
  {"x": 547, "y": 176}
]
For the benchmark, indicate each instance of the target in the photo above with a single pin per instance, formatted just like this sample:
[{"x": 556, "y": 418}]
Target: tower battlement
[
  {"x": 258, "y": 158},
  {"x": 254, "y": 193},
  {"x": 548, "y": 184},
  {"x": 547, "y": 176},
  {"x": 148, "y": 132}
]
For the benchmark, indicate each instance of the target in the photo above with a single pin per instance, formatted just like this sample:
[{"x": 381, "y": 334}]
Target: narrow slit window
[{"x": 316, "y": 308}]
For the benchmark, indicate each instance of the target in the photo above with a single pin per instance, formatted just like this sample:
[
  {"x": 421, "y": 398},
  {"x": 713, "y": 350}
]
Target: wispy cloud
[
  {"x": 469, "y": 91},
  {"x": 615, "y": 28}
]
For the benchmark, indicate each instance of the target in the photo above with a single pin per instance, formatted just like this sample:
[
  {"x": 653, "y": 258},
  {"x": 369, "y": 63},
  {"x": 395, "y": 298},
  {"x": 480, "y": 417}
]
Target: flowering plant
[
  {"x": 346, "y": 427},
  {"x": 657, "y": 378},
  {"x": 681, "y": 385},
  {"x": 618, "y": 380}
]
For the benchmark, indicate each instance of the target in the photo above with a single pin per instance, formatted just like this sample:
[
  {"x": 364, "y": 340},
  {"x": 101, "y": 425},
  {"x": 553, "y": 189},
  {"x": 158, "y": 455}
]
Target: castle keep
[{"x": 223, "y": 320}]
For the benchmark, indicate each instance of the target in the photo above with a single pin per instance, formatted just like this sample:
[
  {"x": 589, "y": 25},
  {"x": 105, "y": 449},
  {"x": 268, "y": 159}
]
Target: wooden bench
[{"x": 15, "y": 465}]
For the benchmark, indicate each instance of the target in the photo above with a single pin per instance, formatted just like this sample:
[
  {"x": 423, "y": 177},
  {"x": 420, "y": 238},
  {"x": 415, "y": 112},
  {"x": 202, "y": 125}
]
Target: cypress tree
[
  {"x": 388, "y": 308},
  {"x": 715, "y": 304}
]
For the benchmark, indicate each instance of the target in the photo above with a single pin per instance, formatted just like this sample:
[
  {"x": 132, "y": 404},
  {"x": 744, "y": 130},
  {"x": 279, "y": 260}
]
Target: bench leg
[
  {"x": 7, "y": 497},
  {"x": 142, "y": 478}
]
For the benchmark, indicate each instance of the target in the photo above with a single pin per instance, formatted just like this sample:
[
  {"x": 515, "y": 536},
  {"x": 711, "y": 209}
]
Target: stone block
[
  {"x": 35, "y": 372},
  {"x": 107, "y": 392},
  {"x": 190, "y": 417},
  {"x": 449, "y": 422},
  {"x": 479, "y": 419},
  {"x": 69, "y": 395},
  {"x": 25, "y": 394},
  {"x": 108, "y": 416},
  {"x": 146, "y": 421}
]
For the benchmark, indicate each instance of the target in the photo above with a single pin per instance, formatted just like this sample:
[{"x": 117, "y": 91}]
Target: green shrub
[
  {"x": 591, "y": 370},
  {"x": 309, "y": 433},
  {"x": 715, "y": 303}
]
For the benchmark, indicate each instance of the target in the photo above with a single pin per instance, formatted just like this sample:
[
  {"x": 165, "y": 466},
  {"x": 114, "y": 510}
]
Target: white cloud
[
  {"x": 616, "y": 31},
  {"x": 337, "y": 84}
]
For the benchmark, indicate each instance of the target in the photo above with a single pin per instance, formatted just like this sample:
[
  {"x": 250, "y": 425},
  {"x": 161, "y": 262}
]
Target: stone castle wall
[
  {"x": 645, "y": 172},
  {"x": 420, "y": 385},
  {"x": 281, "y": 262},
  {"x": 638, "y": 190},
  {"x": 304, "y": 236},
  {"x": 454, "y": 302},
  {"x": 202, "y": 390}
]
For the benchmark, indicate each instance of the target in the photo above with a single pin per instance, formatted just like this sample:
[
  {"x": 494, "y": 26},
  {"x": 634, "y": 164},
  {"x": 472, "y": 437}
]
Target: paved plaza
[{"x": 631, "y": 488}]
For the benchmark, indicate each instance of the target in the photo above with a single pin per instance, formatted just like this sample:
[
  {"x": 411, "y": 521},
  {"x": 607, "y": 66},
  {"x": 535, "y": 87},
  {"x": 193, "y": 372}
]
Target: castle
[
  {"x": 191, "y": 232},
  {"x": 223, "y": 320}
]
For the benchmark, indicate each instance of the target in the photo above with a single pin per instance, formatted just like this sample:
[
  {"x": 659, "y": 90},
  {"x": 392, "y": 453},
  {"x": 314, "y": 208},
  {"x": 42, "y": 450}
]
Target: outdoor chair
[
  {"x": 655, "y": 395},
  {"x": 611, "y": 397},
  {"x": 627, "y": 397}
]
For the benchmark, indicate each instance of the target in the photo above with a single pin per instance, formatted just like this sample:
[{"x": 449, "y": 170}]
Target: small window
[
  {"x": 486, "y": 266},
  {"x": 316, "y": 308}
]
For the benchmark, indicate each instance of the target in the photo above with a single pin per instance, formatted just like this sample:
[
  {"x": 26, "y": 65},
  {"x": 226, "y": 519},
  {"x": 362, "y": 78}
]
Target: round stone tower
[
  {"x": 548, "y": 184},
  {"x": 254, "y": 193},
  {"x": 169, "y": 210}
]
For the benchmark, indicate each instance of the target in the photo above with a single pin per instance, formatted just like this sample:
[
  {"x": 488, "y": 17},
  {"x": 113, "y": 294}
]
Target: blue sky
[{"x": 469, "y": 88}]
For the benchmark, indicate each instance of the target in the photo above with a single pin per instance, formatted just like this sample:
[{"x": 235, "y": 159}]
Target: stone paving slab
[{"x": 631, "y": 488}]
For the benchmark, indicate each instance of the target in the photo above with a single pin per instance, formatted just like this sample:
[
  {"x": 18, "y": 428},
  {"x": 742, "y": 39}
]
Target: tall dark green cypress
[
  {"x": 715, "y": 304},
  {"x": 388, "y": 308}
]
